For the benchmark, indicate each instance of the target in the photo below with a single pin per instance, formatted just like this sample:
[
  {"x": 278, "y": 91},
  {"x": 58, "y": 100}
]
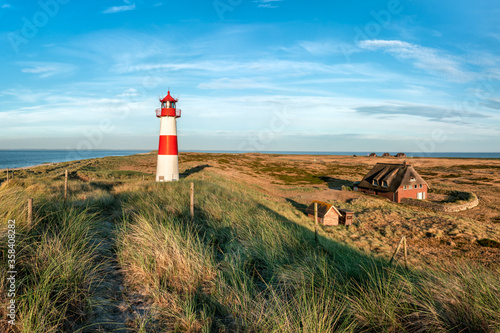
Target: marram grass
[
  {"x": 245, "y": 263},
  {"x": 261, "y": 272}
]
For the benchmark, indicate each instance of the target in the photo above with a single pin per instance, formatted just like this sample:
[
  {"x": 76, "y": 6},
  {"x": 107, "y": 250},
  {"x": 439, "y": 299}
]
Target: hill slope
[{"x": 124, "y": 254}]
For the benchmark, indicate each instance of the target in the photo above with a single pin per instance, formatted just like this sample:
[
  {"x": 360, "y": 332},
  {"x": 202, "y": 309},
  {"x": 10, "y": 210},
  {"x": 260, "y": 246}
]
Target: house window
[
  {"x": 384, "y": 183},
  {"x": 421, "y": 185},
  {"x": 404, "y": 187},
  {"x": 412, "y": 179},
  {"x": 409, "y": 187},
  {"x": 375, "y": 182}
]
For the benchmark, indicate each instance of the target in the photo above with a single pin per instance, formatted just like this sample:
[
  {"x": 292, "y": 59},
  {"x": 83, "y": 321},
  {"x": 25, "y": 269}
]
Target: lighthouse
[{"x": 167, "y": 168}]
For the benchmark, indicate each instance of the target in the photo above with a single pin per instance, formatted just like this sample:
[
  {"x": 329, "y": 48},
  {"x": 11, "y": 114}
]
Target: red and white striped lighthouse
[{"x": 167, "y": 168}]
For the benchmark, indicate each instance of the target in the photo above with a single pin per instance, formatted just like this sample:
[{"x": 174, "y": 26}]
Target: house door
[{"x": 420, "y": 195}]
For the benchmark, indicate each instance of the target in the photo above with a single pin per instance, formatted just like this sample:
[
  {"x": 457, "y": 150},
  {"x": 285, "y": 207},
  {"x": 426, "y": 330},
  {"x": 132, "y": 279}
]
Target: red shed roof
[
  {"x": 168, "y": 98},
  {"x": 323, "y": 209}
]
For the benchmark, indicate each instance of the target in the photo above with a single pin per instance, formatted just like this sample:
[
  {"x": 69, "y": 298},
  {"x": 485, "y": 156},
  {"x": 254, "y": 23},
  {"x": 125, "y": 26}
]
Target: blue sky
[{"x": 413, "y": 76}]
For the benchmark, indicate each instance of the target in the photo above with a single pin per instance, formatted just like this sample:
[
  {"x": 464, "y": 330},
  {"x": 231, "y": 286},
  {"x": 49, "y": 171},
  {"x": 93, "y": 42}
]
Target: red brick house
[
  {"x": 327, "y": 214},
  {"x": 394, "y": 182}
]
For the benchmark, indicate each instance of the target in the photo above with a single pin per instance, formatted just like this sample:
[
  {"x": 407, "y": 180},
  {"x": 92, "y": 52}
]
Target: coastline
[
  {"x": 378, "y": 158},
  {"x": 18, "y": 159},
  {"x": 30, "y": 166}
]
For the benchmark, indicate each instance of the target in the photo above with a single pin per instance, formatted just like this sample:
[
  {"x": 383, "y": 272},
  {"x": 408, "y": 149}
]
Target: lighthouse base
[{"x": 167, "y": 168}]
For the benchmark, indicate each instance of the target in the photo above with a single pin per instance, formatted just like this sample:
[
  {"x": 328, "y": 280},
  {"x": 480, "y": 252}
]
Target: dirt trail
[
  {"x": 116, "y": 308},
  {"x": 111, "y": 313}
]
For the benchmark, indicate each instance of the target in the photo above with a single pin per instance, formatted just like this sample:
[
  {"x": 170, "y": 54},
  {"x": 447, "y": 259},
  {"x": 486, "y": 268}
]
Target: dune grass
[
  {"x": 55, "y": 262},
  {"x": 245, "y": 263},
  {"x": 240, "y": 266}
]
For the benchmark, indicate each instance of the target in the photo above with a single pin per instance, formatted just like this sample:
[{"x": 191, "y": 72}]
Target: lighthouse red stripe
[{"x": 168, "y": 145}]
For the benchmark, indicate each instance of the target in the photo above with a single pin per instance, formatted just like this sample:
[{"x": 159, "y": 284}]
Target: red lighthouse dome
[
  {"x": 169, "y": 98},
  {"x": 168, "y": 107}
]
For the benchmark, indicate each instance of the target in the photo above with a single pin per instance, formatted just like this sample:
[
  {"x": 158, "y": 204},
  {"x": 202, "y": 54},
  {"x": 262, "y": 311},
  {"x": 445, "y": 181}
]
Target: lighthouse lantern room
[{"x": 167, "y": 168}]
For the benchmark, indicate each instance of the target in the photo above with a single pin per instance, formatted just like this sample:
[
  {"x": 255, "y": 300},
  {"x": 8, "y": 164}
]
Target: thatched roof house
[
  {"x": 400, "y": 155},
  {"x": 386, "y": 155},
  {"x": 394, "y": 181}
]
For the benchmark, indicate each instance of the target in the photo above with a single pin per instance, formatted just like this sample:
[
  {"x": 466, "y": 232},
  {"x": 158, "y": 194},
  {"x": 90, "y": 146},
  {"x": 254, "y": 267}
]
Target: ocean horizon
[
  {"x": 485, "y": 155},
  {"x": 30, "y": 157},
  {"x": 21, "y": 158}
]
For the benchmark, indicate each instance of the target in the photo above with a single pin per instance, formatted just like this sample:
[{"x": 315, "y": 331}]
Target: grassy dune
[{"x": 123, "y": 254}]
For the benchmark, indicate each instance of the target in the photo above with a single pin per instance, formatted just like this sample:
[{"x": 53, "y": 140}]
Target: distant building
[
  {"x": 328, "y": 215},
  {"x": 386, "y": 155},
  {"x": 394, "y": 182},
  {"x": 400, "y": 155},
  {"x": 373, "y": 155}
]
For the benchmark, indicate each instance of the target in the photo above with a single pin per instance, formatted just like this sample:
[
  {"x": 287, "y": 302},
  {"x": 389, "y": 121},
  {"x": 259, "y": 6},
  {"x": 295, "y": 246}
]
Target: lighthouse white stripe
[
  {"x": 167, "y": 168},
  {"x": 168, "y": 126}
]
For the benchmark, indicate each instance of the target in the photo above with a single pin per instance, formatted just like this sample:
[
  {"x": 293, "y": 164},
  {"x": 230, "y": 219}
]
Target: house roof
[
  {"x": 395, "y": 175},
  {"x": 323, "y": 209},
  {"x": 168, "y": 98}
]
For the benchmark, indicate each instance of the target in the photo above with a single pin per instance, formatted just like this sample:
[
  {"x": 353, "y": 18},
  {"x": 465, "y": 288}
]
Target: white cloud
[
  {"x": 285, "y": 67},
  {"x": 117, "y": 9},
  {"x": 24, "y": 95},
  {"x": 424, "y": 58},
  {"x": 47, "y": 69},
  {"x": 267, "y": 3},
  {"x": 130, "y": 92},
  {"x": 329, "y": 47}
]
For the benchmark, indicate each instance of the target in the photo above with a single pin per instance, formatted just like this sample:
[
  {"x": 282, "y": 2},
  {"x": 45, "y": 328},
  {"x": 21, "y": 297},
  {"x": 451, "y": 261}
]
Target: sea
[{"x": 23, "y": 158}]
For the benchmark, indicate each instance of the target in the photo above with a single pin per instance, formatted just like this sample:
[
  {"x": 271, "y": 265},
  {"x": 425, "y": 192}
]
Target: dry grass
[
  {"x": 55, "y": 261},
  {"x": 248, "y": 261}
]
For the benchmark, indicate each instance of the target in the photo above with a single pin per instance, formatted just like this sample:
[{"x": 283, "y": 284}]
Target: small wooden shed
[
  {"x": 327, "y": 213},
  {"x": 346, "y": 217}
]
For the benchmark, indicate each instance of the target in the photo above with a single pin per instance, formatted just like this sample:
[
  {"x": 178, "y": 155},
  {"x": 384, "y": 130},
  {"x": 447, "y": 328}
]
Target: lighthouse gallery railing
[{"x": 168, "y": 112}]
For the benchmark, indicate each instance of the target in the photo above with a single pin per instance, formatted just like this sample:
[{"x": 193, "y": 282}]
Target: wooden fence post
[
  {"x": 7, "y": 176},
  {"x": 65, "y": 184},
  {"x": 397, "y": 249},
  {"x": 192, "y": 201},
  {"x": 30, "y": 211},
  {"x": 316, "y": 222},
  {"x": 406, "y": 253}
]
